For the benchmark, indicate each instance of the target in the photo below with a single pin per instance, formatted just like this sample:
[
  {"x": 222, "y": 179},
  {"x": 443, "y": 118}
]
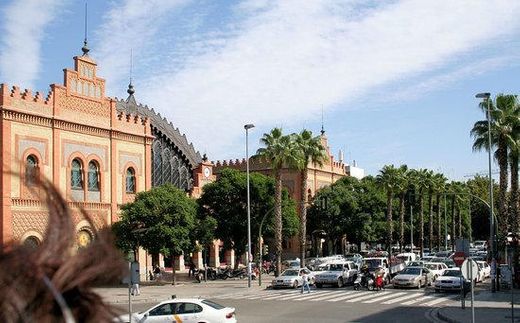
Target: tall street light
[
  {"x": 486, "y": 96},
  {"x": 249, "y": 254}
]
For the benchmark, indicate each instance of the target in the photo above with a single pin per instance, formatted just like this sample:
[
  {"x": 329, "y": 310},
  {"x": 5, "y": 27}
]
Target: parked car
[
  {"x": 295, "y": 263},
  {"x": 450, "y": 263},
  {"x": 417, "y": 263},
  {"x": 186, "y": 310},
  {"x": 485, "y": 268},
  {"x": 451, "y": 280},
  {"x": 292, "y": 278},
  {"x": 480, "y": 244},
  {"x": 407, "y": 257},
  {"x": 337, "y": 273},
  {"x": 437, "y": 268},
  {"x": 413, "y": 277}
]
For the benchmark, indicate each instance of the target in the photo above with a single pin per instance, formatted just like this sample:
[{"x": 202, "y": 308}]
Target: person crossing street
[{"x": 305, "y": 282}]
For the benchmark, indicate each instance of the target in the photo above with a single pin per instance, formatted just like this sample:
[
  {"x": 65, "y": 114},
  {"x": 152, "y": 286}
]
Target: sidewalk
[
  {"x": 152, "y": 292},
  {"x": 489, "y": 307}
]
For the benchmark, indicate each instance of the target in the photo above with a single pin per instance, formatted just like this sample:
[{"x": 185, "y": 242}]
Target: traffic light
[{"x": 266, "y": 249}]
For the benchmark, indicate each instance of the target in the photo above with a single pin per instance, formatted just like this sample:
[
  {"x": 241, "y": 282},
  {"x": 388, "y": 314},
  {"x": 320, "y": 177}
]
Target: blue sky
[{"x": 396, "y": 79}]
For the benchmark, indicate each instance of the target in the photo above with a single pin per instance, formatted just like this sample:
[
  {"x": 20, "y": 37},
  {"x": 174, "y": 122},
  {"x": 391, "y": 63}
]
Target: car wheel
[
  {"x": 340, "y": 282},
  {"x": 396, "y": 287},
  {"x": 312, "y": 281},
  {"x": 318, "y": 285},
  {"x": 370, "y": 287},
  {"x": 295, "y": 284}
]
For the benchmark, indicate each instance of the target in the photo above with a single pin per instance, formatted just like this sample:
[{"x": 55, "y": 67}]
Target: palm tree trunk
[
  {"x": 389, "y": 220},
  {"x": 278, "y": 220},
  {"x": 513, "y": 209},
  {"x": 501, "y": 154},
  {"x": 401, "y": 221},
  {"x": 439, "y": 220},
  {"x": 453, "y": 223},
  {"x": 459, "y": 218},
  {"x": 303, "y": 216},
  {"x": 430, "y": 220},
  {"x": 421, "y": 230}
]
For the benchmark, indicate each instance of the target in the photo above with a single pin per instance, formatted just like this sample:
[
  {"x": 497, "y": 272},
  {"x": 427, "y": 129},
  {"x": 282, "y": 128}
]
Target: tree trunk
[
  {"x": 459, "y": 218},
  {"x": 439, "y": 221},
  {"x": 278, "y": 221},
  {"x": 513, "y": 208},
  {"x": 303, "y": 216},
  {"x": 421, "y": 229},
  {"x": 501, "y": 154},
  {"x": 430, "y": 220},
  {"x": 389, "y": 220},
  {"x": 453, "y": 233},
  {"x": 173, "y": 269},
  {"x": 401, "y": 221}
]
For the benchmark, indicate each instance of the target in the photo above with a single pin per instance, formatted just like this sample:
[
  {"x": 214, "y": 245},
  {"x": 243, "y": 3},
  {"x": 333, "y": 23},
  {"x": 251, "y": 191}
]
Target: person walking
[
  {"x": 305, "y": 282},
  {"x": 135, "y": 291}
]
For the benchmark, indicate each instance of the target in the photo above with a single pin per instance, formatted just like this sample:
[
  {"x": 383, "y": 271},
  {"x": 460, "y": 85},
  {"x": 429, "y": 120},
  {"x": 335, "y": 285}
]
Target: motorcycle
[{"x": 366, "y": 281}]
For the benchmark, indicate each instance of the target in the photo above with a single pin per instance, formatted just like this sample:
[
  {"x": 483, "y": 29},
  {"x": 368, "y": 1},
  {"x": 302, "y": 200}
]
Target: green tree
[
  {"x": 430, "y": 184},
  {"x": 402, "y": 184},
  {"x": 419, "y": 181},
  {"x": 311, "y": 150},
  {"x": 160, "y": 220},
  {"x": 439, "y": 181},
  {"x": 504, "y": 117},
  {"x": 279, "y": 151},
  {"x": 387, "y": 178},
  {"x": 224, "y": 200}
]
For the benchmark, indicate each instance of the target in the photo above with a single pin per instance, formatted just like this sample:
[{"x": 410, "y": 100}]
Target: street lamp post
[
  {"x": 247, "y": 127},
  {"x": 486, "y": 96}
]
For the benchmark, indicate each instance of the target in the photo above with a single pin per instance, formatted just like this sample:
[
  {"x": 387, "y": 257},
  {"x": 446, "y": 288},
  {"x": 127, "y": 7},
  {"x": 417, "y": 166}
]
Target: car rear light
[{"x": 230, "y": 315}]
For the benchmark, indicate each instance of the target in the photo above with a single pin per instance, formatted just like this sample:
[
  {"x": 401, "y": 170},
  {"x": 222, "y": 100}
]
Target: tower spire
[
  {"x": 85, "y": 49},
  {"x": 322, "y": 128},
  {"x": 131, "y": 90}
]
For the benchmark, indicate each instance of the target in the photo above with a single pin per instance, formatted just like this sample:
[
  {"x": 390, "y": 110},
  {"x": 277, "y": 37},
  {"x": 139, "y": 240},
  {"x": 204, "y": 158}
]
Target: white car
[
  {"x": 184, "y": 310},
  {"x": 336, "y": 273},
  {"x": 436, "y": 268},
  {"x": 292, "y": 278},
  {"x": 485, "y": 268},
  {"x": 451, "y": 280}
]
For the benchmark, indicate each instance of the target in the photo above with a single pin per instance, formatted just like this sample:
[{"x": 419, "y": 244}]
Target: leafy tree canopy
[{"x": 225, "y": 200}]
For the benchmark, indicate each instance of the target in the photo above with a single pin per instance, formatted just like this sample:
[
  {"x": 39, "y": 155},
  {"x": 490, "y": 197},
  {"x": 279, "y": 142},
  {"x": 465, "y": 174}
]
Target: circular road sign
[{"x": 469, "y": 269}]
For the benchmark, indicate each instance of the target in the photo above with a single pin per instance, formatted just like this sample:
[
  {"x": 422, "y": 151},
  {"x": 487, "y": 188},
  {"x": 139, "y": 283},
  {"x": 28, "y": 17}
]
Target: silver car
[
  {"x": 415, "y": 277},
  {"x": 292, "y": 278}
]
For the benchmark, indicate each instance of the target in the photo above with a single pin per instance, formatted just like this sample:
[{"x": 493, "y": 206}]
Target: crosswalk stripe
[
  {"x": 281, "y": 295},
  {"x": 377, "y": 299},
  {"x": 420, "y": 299},
  {"x": 351, "y": 295},
  {"x": 366, "y": 297},
  {"x": 395, "y": 300},
  {"x": 299, "y": 295},
  {"x": 438, "y": 300},
  {"x": 315, "y": 295},
  {"x": 263, "y": 295},
  {"x": 328, "y": 296}
]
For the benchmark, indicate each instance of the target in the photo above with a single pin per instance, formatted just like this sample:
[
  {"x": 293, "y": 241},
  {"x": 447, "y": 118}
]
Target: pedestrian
[
  {"x": 157, "y": 272},
  {"x": 135, "y": 291},
  {"x": 305, "y": 282},
  {"x": 191, "y": 272}
]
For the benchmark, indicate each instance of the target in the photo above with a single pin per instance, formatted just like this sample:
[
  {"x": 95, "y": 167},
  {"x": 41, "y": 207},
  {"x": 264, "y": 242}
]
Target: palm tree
[
  {"x": 402, "y": 185},
  {"x": 279, "y": 151},
  {"x": 440, "y": 187},
  {"x": 310, "y": 150},
  {"x": 387, "y": 178},
  {"x": 504, "y": 115},
  {"x": 420, "y": 185},
  {"x": 430, "y": 184}
]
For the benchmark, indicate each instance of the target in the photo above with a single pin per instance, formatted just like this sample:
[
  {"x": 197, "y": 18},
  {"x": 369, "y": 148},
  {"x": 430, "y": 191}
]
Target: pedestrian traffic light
[{"x": 266, "y": 249}]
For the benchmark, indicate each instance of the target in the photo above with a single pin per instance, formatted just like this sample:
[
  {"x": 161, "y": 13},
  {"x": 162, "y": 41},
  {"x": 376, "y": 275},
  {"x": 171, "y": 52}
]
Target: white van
[{"x": 407, "y": 257}]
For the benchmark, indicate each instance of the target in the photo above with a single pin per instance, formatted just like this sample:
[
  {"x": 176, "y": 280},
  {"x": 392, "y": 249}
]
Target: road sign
[
  {"x": 459, "y": 258},
  {"x": 469, "y": 269}
]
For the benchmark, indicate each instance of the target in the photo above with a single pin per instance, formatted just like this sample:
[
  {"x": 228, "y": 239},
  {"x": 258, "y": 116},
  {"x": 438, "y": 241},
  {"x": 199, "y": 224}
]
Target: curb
[{"x": 445, "y": 318}]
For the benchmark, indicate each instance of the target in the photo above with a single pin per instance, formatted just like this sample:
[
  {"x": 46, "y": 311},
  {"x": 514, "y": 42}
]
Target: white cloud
[
  {"x": 279, "y": 62},
  {"x": 23, "y": 25}
]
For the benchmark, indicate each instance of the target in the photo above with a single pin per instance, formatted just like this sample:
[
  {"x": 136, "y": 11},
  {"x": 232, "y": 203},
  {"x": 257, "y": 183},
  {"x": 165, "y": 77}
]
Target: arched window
[
  {"x": 167, "y": 167},
  {"x": 32, "y": 242},
  {"x": 31, "y": 170},
  {"x": 184, "y": 178},
  {"x": 175, "y": 171},
  {"x": 76, "y": 178},
  {"x": 130, "y": 180},
  {"x": 93, "y": 176}
]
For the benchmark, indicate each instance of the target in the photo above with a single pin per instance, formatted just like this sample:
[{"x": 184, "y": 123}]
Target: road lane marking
[
  {"x": 366, "y": 297},
  {"x": 299, "y": 295},
  {"x": 377, "y": 299},
  {"x": 420, "y": 299},
  {"x": 330, "y": 295},
  {"x": 395, "y": 300},
  {"x": 353, "y": 294},
  {"x": 321, "y": 295},
  {"x": 439, "y": 299}
]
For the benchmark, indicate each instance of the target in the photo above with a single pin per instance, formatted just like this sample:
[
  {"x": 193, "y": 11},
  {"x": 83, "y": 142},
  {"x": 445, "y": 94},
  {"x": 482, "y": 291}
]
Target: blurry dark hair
[{"x": 34, "y": 280}]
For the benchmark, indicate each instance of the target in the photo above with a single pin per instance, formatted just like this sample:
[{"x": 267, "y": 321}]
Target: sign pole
[
  {"x": 472, "y": 295},
  {"x": 129, "y": 292}
]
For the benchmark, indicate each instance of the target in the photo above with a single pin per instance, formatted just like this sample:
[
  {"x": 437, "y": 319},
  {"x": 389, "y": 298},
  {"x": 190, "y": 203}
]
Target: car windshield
[
  {"x": 372, "y": 263},
  {"x": 402, "y": 258},
  {"x": 290, "y": 273},
  {"x": 452, "y": 273},
  {"x": 415, "y": 264},
  {"x": 335, "y": 267},
  {"x": 212, "y": 304},
  {"x": 431, "y": 266},
  {"x": 411, "y": 271}
]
